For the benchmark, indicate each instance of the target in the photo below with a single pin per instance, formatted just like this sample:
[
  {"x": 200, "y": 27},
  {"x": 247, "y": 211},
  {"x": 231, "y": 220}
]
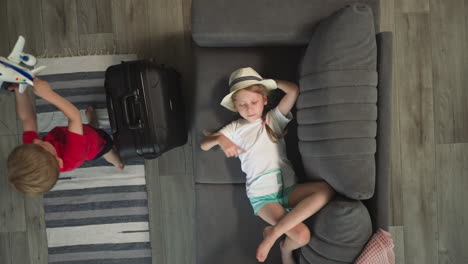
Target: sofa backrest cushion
[
  {"x": 246, "y": 23},
  {"x": 339, "y": 231},
  {"x": 336, "y": 110}
]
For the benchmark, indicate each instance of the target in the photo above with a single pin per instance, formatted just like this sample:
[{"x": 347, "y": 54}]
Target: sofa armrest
[
  {"x": 246, "y": 23},
  {"x": 379, "y": 204}
]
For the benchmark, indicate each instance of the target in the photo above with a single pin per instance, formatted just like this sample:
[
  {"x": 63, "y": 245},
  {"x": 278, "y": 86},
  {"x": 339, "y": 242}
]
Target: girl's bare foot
[
  {"x": 286, "y": 254},
  {"x": 269, "y": 239},
  {"x": 91, "y": 116}
]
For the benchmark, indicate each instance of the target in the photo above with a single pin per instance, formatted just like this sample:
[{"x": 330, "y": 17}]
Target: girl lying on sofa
[{"x": 257, "y": 140}]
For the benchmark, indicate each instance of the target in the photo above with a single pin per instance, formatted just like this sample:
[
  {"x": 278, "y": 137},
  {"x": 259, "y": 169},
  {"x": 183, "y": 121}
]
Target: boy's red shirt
[{"x": 72, "y": 148}]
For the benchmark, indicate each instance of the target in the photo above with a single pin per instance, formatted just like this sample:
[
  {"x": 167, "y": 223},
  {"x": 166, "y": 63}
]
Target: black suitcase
[{"x": 145, "y": 108}]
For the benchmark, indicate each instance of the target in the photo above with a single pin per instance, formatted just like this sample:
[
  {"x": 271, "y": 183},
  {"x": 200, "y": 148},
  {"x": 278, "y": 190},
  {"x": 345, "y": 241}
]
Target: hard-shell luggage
[{"x": 145, "y": 108}]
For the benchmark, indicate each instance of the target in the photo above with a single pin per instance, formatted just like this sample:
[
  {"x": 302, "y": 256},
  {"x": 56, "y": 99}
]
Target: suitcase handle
[{"x": 126, "y": 112}]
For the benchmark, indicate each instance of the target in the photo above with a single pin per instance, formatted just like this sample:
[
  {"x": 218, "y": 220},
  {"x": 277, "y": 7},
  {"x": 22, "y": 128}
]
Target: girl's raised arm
[{"x": 288, "y": 101}]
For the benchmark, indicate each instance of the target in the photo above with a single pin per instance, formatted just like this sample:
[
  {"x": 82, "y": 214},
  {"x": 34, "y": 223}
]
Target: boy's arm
[
  {"x": 25, "y": 110},
  {"x": 42, "y": 89},
  {"x": 288, "y": 101}
]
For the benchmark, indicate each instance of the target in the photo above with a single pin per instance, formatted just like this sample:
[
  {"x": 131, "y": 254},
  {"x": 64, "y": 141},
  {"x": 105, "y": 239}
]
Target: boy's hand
[
  {"x": 230, "y": 149},
  {"x": 13, "y": 86},
  {"x": 41, "y": 87}
]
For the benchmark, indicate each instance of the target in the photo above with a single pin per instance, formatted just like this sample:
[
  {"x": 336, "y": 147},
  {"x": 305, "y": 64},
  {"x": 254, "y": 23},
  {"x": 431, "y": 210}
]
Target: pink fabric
[{"x": 379, "y": 250}]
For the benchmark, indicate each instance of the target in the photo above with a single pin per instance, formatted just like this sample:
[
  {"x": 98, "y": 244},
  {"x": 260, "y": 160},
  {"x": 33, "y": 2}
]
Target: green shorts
[{"x": 281, "y": 197}]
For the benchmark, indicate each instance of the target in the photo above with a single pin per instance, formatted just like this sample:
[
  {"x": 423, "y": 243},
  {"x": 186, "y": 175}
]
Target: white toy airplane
[{"x": 12, "y": 72}]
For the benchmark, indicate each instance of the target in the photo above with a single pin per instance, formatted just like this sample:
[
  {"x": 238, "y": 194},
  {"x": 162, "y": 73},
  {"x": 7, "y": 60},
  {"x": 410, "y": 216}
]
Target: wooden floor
[{"x": 430, "y": 119}]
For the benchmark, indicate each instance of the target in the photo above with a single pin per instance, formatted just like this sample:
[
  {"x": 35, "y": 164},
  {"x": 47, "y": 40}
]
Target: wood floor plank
[
  {"x": 5, "y": 252},
  {"x": 450, "y": 64},
  {"x": 130, "y": 24},
  {"x": 187, "y": 56},
  {"x": 94, "y": 16},
  {"x": 12, "y": 214},
  {"x": 398, "y": 237},
  {"x": 387, "y": 15},
  {"x": 167, "y": 33},
  {"x": 412, "y": 6},
  {"x": 87, "y": 16},
  {"x": 26, "y": 22},
  {"x": 170, "y": 199},
  {"x": 19, "y": 248},
  {"x": 186, "y": 13},
  {"x": 36, "y": 231},
  {"x": 97, "y": 44},
  {"x": 177, "y": 196},
  {"x": 395, "y": 169},
  {"x": 157, "y": 229},
  {"x": 14, "y": 248},
  {"x": 452, "y": 165},
  {"x": 8, "y": 124},
  {"x": 104, "y": 16},
  {"x": 188, "y": 148},
  {"x": 413, "y": 74},
  {"x": 4, "y": 45},
  {"x": 60, "y": 27}
]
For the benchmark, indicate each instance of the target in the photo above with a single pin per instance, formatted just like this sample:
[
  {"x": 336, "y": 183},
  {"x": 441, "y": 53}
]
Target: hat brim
[{"x": 269, "y": 84}]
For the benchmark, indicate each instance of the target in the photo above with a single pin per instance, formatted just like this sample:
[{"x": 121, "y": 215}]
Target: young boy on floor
[{"x": 34, "y": 166}]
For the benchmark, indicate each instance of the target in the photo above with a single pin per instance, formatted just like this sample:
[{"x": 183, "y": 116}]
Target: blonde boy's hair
[{"x": 32, "y": 170}]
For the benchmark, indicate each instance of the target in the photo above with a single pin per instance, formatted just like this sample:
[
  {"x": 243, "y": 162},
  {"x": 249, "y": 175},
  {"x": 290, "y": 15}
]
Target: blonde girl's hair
[
  {"x": 262, "y": 90},
  {"x": 32, "y": 170}
]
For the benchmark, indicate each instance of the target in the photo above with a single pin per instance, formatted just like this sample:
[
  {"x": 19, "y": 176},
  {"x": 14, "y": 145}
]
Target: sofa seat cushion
[
  {"x": 339, "y": 231},
  {"x": 226, "y": 229},
  {"x": 337, "y": 107}
]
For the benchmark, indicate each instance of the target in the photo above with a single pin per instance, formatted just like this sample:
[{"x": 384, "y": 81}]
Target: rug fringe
[{"x": 75, "y": 52}]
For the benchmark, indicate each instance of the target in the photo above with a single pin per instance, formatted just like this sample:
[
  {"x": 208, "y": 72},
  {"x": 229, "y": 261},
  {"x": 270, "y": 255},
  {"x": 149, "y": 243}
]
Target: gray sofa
[{"x": 341, "y": 130}]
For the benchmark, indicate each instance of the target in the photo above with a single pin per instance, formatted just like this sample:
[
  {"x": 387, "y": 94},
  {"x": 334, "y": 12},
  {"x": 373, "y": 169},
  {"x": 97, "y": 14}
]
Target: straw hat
[{"x": 243, "y": 78}]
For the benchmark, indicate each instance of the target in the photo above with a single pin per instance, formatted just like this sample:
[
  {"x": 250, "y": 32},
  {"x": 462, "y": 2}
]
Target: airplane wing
[{"x": 15, "y": 55}]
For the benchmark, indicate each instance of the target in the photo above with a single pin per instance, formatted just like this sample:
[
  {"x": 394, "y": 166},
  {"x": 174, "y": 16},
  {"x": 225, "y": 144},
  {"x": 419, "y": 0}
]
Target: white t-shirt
[{"x": 265, "y": 164}]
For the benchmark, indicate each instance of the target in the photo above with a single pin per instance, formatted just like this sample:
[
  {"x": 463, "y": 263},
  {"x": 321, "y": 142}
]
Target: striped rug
[{"x": 94, "y": 214}]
